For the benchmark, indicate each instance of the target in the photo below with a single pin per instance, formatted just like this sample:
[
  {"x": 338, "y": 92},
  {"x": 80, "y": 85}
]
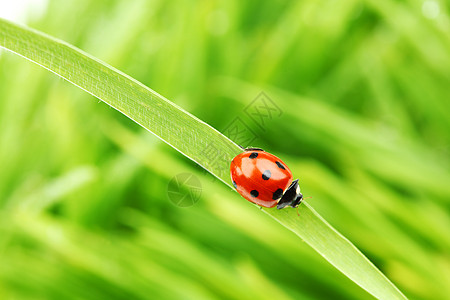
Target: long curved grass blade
[{"x": 190, "y": 136}]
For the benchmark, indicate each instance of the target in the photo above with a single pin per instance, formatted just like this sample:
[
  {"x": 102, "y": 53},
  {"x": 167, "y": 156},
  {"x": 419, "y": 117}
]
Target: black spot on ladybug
[
  {"x": 266, "y": 175},
  {"x": 277, "y": 194},
  {"x": 253, "y": 155},
  {"x": 234, "y": 184},
  {"x": 280, "y": 165},
  {"x": 254, "y": 193}
]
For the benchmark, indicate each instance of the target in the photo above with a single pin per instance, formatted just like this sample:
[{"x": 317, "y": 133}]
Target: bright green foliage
[
  {"x": 83, "y": 191},
  {"x": 191, "y": 137}
]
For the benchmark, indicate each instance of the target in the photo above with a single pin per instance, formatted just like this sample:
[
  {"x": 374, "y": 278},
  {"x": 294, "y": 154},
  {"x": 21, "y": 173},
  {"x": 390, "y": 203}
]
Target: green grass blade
[
  {"x": 190, "y": 136},
  {"x": 338, "y": 250}
]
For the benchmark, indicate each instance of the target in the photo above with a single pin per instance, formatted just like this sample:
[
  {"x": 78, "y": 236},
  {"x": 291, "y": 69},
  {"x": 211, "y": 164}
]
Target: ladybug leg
[
  {"x": 297, "y": 202},
  {"x": 253, "y": 149},
  {"x": 250, "y": 148},
  {"x": 291, "y": 197}
]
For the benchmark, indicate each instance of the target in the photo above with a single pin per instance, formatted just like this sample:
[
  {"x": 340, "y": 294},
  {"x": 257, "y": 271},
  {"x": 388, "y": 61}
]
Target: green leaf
[{"x": 190, "y": 136}]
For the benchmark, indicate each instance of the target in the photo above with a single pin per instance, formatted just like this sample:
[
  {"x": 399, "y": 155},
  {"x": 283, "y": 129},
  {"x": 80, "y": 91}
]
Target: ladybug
[{"x": 264, "y": 179}]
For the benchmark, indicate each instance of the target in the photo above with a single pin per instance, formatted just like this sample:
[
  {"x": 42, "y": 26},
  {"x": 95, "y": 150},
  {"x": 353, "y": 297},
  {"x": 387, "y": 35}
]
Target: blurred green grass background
[{"x": 364, "y": 91}]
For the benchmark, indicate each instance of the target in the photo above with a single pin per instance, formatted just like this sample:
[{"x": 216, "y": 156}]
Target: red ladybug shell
[{"x": 260, "y": 177}]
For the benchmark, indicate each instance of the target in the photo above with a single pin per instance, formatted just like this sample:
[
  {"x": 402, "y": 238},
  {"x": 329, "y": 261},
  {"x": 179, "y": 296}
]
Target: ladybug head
[{"x": 291, "y": 196}]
